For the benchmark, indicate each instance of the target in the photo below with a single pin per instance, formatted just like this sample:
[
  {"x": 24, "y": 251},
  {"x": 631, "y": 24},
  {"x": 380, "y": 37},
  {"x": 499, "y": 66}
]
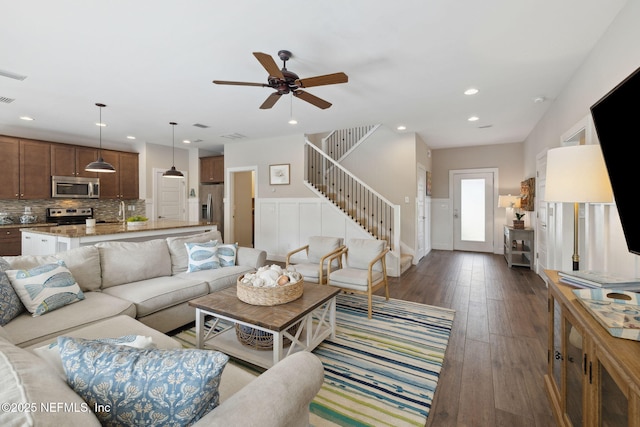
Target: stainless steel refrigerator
[{"x": 212, "y": 205}]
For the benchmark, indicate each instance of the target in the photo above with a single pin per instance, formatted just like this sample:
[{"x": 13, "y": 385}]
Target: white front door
[
  {"x": 170, "y": 197},
  {"x": 473, "y": 207}
]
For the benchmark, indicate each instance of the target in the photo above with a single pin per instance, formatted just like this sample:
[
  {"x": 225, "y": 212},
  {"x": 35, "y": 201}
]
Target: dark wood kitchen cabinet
[
  {"x": 212, "y": 170},
  {"x": 123, "y": 184},
  {"x": 10, "y": 241},
  {"x": 25, "y": 169},
  {"x": 70, "y": 160}
]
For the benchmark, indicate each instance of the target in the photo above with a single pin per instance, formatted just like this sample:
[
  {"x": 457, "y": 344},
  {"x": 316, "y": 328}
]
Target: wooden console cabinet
[{"x": 593, "y": 378}]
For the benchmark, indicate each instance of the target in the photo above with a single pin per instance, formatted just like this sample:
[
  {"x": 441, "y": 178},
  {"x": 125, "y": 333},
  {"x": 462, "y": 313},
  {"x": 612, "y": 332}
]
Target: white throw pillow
[
  {"x": 46, "y": 287},
  {"x": 202, "y": 256}
]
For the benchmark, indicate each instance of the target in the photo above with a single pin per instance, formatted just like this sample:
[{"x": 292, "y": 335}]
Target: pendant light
[
  {"x": 173, "y": 173},
  {"x": 100, "y": 165}
]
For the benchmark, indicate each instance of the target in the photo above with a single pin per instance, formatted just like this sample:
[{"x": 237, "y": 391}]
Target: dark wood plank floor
[{"x": 496, "y": 358}]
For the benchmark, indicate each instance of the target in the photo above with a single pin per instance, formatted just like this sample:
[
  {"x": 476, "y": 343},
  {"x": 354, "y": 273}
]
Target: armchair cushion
[
  {"x": 320, "y": 246},
  {"x": 351, "y": 278},
  {"x": 362, "y": 252}
]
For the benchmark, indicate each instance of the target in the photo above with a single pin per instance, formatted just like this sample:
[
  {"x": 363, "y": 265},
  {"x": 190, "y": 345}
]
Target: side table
[{"x": 518, "y": 246}]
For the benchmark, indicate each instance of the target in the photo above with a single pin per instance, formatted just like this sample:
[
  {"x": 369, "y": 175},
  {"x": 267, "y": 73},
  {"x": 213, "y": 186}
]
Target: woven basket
[
  {"x": 269, "y": 296},
  {"x": 260, "y": 340}
]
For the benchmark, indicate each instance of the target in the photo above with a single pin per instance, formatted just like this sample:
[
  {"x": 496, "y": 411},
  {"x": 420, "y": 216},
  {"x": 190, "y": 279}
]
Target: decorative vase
[{"x": 518, "y": 224}]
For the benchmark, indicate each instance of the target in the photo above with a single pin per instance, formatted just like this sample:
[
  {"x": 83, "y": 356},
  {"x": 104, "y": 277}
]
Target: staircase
[{"x": 371, "y": 211}]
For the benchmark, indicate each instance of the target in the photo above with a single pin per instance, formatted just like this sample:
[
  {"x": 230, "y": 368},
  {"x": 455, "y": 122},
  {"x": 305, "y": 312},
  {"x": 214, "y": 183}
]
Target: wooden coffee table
[{"x": 314, "y": 311}]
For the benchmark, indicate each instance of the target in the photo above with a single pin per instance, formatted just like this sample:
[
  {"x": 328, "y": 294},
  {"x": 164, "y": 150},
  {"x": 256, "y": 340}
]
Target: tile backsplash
[{"x": 103, "y": 210}]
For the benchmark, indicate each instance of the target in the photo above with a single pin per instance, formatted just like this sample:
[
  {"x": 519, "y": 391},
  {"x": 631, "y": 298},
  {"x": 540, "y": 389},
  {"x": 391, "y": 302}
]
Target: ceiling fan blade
[
  {"x": 224, "y": 82},
  {"x": 269, "y": 64},
  {"x": 312, "y": 99},
  {"x": 270, "y": 101},
  {"x": 328, "y": 79}
]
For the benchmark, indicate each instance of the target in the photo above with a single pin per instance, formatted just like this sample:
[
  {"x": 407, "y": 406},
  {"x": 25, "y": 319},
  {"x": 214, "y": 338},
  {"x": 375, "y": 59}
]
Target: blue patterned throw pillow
[
  {"x": 143, "y": 387},
  {"x": 46, "y": 287},
  {"x": 10, "y": 304},
  {"x": 227, "y": 254},
  {"x": 202, "y": 256}
]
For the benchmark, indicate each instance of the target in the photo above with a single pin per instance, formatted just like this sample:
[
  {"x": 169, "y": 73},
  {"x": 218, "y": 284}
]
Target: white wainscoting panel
[{"x": 286, "y": 224}]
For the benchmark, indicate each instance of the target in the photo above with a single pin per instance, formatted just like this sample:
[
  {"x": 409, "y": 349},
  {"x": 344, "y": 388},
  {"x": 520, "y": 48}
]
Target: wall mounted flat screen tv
[{"x": 617, "y": 123}]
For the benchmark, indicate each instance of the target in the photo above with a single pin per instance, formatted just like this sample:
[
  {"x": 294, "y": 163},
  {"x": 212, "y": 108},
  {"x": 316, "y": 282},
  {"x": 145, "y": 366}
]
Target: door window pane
[{"x": 472, "y": 209}]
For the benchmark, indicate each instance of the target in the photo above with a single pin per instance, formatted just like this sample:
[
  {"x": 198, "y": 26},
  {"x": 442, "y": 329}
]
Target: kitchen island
[{"x": 49, "y": 240}]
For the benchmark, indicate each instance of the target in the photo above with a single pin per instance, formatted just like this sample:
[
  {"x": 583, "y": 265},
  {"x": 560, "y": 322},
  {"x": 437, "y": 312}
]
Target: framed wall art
[{"x": 279, "y": 174}]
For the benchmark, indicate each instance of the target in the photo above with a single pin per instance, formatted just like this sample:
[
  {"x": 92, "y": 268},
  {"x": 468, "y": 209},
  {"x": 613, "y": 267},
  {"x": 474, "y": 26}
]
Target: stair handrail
[
  {"x": 326, "y": 141},
  {"x": 334, "y": 163}
]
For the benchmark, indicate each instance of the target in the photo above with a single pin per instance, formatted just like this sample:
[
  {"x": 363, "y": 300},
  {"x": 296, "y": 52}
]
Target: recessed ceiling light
[
  {"x": 27, "y": 118},
  {"x": 402, "y": 127},
  {"x": 104, "y": 125},
  {"x": 473, "y": 118},
  {"x": 186, "y": 141},
  {"x": 131, "y": 137},
  {"x": 539, "y": 99},
  {"x": 471, "y": 91}
]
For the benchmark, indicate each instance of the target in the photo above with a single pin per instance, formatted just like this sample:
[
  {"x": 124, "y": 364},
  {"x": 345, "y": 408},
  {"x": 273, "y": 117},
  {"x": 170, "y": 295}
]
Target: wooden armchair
[
  {"x": 364, "y": 268},
  {"x": 318, "y": 251}
]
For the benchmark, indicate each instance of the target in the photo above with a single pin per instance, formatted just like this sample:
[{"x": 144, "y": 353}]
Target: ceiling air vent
[
  {"x": 233, "y": 136},
  {"x": 6, "y": 100},
  {"x": 11, "y": 75},
  {"x": 200, "y": 125}
]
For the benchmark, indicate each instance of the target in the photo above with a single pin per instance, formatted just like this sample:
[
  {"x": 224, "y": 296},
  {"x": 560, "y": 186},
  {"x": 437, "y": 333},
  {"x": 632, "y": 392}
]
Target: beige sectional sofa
[
  {"x": 145, "y": 280},
  {"x": 143, "y": 288}
]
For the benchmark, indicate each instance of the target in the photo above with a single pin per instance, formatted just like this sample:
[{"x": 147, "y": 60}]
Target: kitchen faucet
[{"x": 122, "y": 212}]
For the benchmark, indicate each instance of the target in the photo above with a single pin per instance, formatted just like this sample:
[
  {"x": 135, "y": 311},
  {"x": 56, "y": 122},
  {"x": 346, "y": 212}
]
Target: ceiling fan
[{"x": 285, "y": 81}]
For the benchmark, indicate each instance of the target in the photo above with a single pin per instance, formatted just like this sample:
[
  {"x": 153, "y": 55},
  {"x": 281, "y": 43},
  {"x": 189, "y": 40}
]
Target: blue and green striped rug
[{"x": 381, "y": 371}]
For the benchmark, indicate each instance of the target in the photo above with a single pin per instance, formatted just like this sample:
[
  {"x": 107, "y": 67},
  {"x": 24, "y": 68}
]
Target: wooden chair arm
[
  {"x": 295, "y": 251},
  {"x": 379, "y": 257},
  {"x": 336, "y": 255}
]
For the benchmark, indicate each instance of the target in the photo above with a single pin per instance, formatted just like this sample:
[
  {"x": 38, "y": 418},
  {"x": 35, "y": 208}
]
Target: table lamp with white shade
[
  {"x": 510, "y": 203},
  {"x": 577, "y": 174}
]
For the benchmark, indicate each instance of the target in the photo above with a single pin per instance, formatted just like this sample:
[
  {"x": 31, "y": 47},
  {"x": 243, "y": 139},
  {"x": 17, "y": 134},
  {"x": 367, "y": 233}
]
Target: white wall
[{"x": 615, "y": 56}]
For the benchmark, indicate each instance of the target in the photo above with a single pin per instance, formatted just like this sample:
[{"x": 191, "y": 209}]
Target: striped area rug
[{"x": 381, "y": 371}]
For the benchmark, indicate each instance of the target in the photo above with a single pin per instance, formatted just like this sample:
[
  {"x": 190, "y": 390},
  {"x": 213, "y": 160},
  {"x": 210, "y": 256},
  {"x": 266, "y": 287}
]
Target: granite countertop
[
  {"x": 110, "y": 228},
  {"x": 20, "y": 225}
]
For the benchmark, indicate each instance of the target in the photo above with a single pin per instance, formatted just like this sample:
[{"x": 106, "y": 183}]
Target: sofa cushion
[
  {"x": 10, "y": 304},
  {"x": 126, "y": 262},
  {"x": 45, "y": 288},
  {"x": 156, "y": 294},
  {"x": 219, "y": 278},
  {"x": 150, "y": 387},
  {"x": 26, "y": 330},
  {"x": 28, "y": 380},
  {"x": 83, "y": 263},
  {"x": 202, "y": 256},
  {"x": 179, "y": 257}
]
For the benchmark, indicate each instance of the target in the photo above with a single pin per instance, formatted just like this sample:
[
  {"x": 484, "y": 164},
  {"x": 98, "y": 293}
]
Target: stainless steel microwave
[{"x": 75, "y": 187}]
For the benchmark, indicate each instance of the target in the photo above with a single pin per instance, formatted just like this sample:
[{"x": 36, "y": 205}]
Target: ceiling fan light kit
[
  {"x": 100, "y": 165},
  {"x": 173, "y": 173},
  {"x": 285, "y": 81}
]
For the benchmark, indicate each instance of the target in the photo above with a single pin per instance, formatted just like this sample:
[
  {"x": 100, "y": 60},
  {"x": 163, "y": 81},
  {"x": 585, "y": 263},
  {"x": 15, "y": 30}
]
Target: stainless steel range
[{"x": 68, "y": 216}]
